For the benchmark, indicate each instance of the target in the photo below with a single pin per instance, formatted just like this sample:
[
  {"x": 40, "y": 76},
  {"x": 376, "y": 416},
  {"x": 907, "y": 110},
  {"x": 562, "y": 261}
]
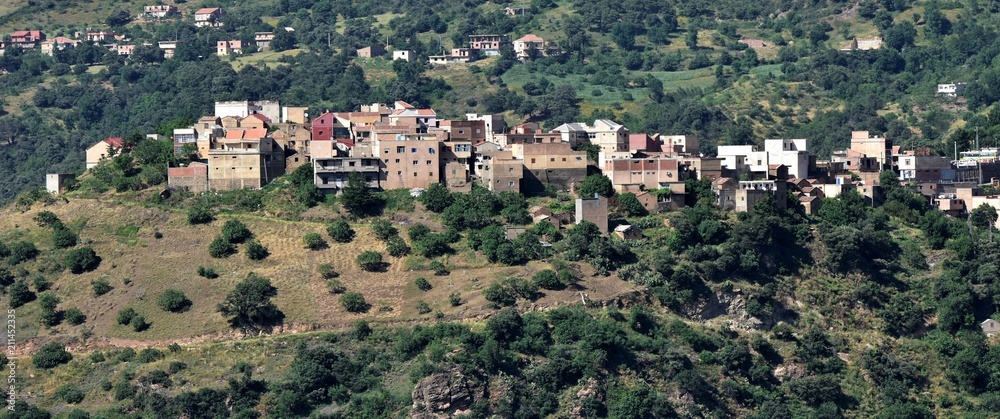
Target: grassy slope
[{"x": 154, "y": 265}]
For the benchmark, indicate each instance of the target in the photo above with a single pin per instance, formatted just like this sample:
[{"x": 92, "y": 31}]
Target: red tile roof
[
  {"x": 114, "y": 141},
  {"x": 261, "y": 117},
  {"x": 529, "y": 38},
  {"x": 207, "y": 10}
]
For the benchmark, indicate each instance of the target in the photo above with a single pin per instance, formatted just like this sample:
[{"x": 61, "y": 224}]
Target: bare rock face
[
  {"x": 790, "y": 372},
  {"x": 590, "y": 390},
  {"x": 443, "y": 394}
]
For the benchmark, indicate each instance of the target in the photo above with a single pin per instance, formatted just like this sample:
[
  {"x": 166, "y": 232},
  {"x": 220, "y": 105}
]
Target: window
[
  {"x": 414, "y": 174},
  {"x": 579, "y": 159},
  {"x": 564, "y": 159},
  {"x": 532, "y": 160},
  {"x": 414, "y": 162},
  {"x": 552, "y": 159},
  {"x": 431, "y": 174},
  {"x": 348, "y": 163},
  {"x": 429, "y": 150},
  {"x": 413, "y": 149},
  {"x": 397, "y": 160},
  {"x": 511, "y": 184},
  {"x": 428, "y": 162},
  {"x": 400, "y": 149},
  {"x": 387, "y": 151},
  {"x": 510, "y": 170}
]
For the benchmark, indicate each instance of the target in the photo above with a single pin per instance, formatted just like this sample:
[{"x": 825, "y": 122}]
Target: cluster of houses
[
  {"x": 32, "y": 39},
  {"x": 525, "y": 48},
  {"x": 247, "y": 144}
]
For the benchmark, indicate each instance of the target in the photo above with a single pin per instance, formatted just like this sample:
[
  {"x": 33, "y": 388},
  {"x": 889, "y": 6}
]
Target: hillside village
[{"x": 402, "y": 147}]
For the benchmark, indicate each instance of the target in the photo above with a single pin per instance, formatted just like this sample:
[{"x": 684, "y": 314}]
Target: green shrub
[
  {"x": 126, "y": 355},
  {"x": 40, "y": 283},
  {"x": 149, "y": 355},
  {"x": 455, "y": 299},
  {"x": 200, "y": 214},
  {"x": 173, "y": 301},
  {"x": 370, "y": 261},
  {"x": 176, "y": 367},
  {"x": 506, "y": 292},
  {"x": 438, "y": 267},
  {"x": 82, "y": 260},
  {"x": 207, "y": 272},
  {"x": 397, "y": 247},
  {"x": 20, "y": 294},
  {"x": 383, "y": 229},
  {"x": 6, "y": 277},
  {"x": 422, "y": 284},
  {"x": 63, "y": 238},
  {"x": 51, "y": 355},
  {"x": 139, "y": 323},
  {"x": 101, "y": 287},
  {"x": 124, "y": 390},
  {"x": 126, "y": 315},
  {"x": 21, "y": 251},
  {"x": 234, "y": 231},
  {"x": 326, "y": 271},
  {"x": 354, "y": 302},
  {"x": 547, "y": 279},
  {"x": 74, "y": 316},
  {"x": 69, "y": 394},
  {"x": 313, "y": 241},
  {"x": 423, "y": 307},
  {"x": 220, "y": 248},
  {"x": 335, "y": 286},
  {"x": 174, "y": 348},
  {"x": 340, "y": 231},
  {"x": 47, "y": 218},
  {"x": 256, "y": 251}
]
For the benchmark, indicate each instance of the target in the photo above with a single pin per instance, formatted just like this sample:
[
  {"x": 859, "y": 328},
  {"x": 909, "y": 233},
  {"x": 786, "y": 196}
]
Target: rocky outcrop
[{"x": 443, "y": 394}]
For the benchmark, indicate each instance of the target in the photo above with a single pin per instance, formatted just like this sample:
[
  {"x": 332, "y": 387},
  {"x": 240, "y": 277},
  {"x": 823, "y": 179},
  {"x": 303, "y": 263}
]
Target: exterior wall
[
  {"x": 456, "y": 177},
  {"x": 550, "y": 163},
  {"x": 503, "y": 174},
  {"x": 294, "y": 114},
  {"x": 409, "y": 163},
  {"x": 238, "y": 168},
  {"x": 922, "y": 168},
  {"x": 97, "y": 152},
  {"x": 404, "y": 55},
  {"x": 680, "y": 143},
  {"x": 594, "y": 210},
  {"x": 193, "y": 178},
  {"x": 55, "y": 183},
  {"x": 650, "y": 173},
  {"x": 331, "y": 174},
  {"x": 749, "y": 193}
]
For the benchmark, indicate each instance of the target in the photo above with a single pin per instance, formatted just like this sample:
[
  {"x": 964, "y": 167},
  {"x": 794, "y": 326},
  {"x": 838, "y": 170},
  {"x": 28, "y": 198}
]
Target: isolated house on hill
[{"x": 102, "y": 150}]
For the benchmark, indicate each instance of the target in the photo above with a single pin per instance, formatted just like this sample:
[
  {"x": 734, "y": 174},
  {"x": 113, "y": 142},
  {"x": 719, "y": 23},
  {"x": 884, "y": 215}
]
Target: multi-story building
[
  {"x": 243, "y": 108},
  {"x": 742, "y": 160},
  {"x": 225, "y": 48},
  {"x": 457, "y": 55},
  {"x": 554, "y": 164},
  {"x": 102, "y": 150},
  {"x": 920, "y": 166},
  {"x": 244, "y": 159},
  {"x": 793, "y": 154},
  {"x": 593, "y": 209},
  {"x": 26, "y": 39},
  {"x": 159, "y": 10},
  {"x": 59, "y": 43},
  {"x": 524, "y": 46},
  {"x": 748, "y": 193},
  {"x": 263, "y": 40},
  {"x": 647, "y": 173},
  {"x": 493, "y": 124},
  {"x": 501, "y": 171},
  {"x": 295, "y": 140},
  {"x": 408, "y": 161},
  {"x": 331, "y": 173},
  {"x": 609, "y": 135},
  {"x": 489, "y": 45},
  {"x": 209, "y": 16}
]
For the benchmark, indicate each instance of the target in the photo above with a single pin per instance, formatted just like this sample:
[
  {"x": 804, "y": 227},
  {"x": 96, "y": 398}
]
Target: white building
[
  {"x": 950, "y": 89},
  {"x": 747, "y": 158},
  {"x": 243, "y": 108},
  {"x": 402, "y": 54}
]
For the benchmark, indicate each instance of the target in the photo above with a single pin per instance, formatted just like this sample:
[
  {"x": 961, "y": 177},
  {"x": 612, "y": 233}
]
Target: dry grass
[{"x": 153, "y": 265}]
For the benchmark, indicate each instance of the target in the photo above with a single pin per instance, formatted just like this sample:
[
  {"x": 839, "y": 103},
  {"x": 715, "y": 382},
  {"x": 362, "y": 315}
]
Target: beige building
[
  {"x": 224, "y": 48},
  {"x": 525, "y": 44},
  {"x": 643, "y": 174},
  {"x": 244, "y": 159},
  {"x": 593, "y": 209},
  {"x": 294, "y": 139},
  {"x": 408, "y": 161},
  {"x": 193, "y": 178},
  {"x": 748, "y": 193},
  {"x": 609, "y": 135},
  {"x": 501, "y": 171},
  {"x": 550, "y": 163},
  {"x": 102, "y": 150}
]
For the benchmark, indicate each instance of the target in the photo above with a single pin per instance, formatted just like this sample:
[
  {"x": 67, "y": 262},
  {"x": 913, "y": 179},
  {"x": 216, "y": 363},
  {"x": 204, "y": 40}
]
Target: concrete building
[
  {"x": 263, "y": 40},
  {"x": 102, "y": 150},
  {"x": 295, "y": 140},
  {"x": 644, "y": 174},
  {"x": 609, "y": 135},
  {"x": 550, "y": 163},
  {"x": 295, "y": 114},
  {"x": 457, "y": 55},
  {"x": 225, "y": 48},
  {"x": 500, "y": 171},
  {"x": 168, "y": 48},
  {"x": 371, "y": 51},
  {"x": 408, "y": 161},
  {"x": 242, "y": 109},
  {"x": 950, "y": 89},
  {"x": 208, "y": 16},
  {"x": 748, "y": 193},
  {"x": 331, "y": 174},
  {"x": 594, "y": 210},
  {"x": 493, "y": 124},
  {"x": 244, "y": 159},
  {"x": 644, "y": 142},
  {"x": 921, "y": 166},
  {"x": 488, "y": 45},
  {"x": 55, "y": 183},
  {"x": 791, "y": 153},
  {"x": 524, "y": 46},
  {"x": 403, "y": 54},
  {"x": 193, "y": 178},
  {"x": 680, "y": 144},
  {"x": 159, "y": 11}
]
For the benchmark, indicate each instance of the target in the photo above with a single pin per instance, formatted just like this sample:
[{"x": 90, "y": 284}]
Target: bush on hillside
[
  {"x": 21, "y": 251},
  {"x": 20, "y": 294},
  {"x": 200, "y": 214},
  {"x": 74, "y": 316},
  {"x": 82, "y": 260},
  {"x": 126, "y": 315},
  {"x": 340, "y": 231},
  {"x": 422, "y": 284},
  {"x": 257, "y": 251},
  {"x": 370, "y": 261},
  {"x": 234, "y": 231},
  {"x": 173, "y": 301},
  {"x": 326, "y": 271},
  {"x": 63, "y": 238},
  {"x": 220, "y": 248},
  {"x": 51, "y": 355},
  {"x": 354, "y": 302},
  {"x": 101, "y": 287},
  {"x": 383, "y": 229},
  {"x": 313, "y": 241},
  {"x": 207, "y": 272},
  {"x": 397, "y": 247}
]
